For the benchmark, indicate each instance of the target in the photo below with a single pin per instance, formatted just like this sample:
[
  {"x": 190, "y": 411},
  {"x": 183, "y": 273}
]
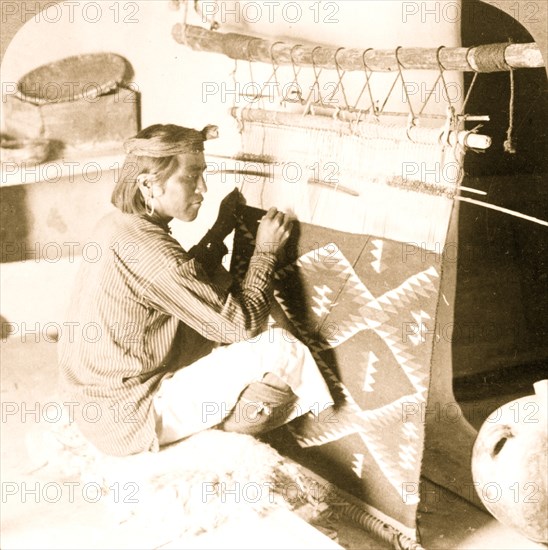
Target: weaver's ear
[
  {"x": 149, "y": 186},
  {"x": 144, "y": 184},
  {"x": 142, "y": 179}
]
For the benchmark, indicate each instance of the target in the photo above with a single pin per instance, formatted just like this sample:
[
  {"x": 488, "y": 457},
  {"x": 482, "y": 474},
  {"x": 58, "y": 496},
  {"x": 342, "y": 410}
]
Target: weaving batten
[
  {"x": 488, "y": 58},
  {"x": 268, "y": 170}
]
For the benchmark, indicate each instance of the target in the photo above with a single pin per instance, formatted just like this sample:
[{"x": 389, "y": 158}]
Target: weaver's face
[{"x": 183, "y": 191}]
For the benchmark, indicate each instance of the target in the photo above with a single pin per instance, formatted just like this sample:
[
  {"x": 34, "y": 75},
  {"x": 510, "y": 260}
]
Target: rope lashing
[{"x": 489, "y": 58}]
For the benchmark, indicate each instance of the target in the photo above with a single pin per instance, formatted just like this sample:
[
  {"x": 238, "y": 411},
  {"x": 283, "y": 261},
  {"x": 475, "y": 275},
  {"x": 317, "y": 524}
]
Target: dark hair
[{"x": 126, "y": 195}]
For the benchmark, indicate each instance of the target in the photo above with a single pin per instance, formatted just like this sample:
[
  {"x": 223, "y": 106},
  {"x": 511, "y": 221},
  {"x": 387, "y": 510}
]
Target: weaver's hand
[
  {"x": 228, "y": 213},
  {"x": 273, "y": 232}
]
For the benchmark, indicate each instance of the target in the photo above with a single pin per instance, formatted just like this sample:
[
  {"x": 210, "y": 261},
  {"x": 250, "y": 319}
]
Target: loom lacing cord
[
  {"x": 389, "y": 93},
  {"x": 274, "y": 74},
  {"x": 367, "y": 84},
  {"x": 451, "y": 122},
  {"x": 509, "y": 145},
  {"x": 275, "y": 68},
  {"x": 442, "y": 69},
  {"x": 443, "y": 139},
  {"x": 474, "y": 78},
  {"x": 248, "y": 57},
  {"x": 234, "y": 101},
  {"x": 470, "y": 88},
  {"x": 340, "y": 77},
  {"x": 296, "y": 73},
  {"x": 440, "y": 77},
  {"x": 467, "y": 97},
  {"x": 451, "y": 125},
  {"x": 316, "y": 83},
  {"x": 412, "y": 120},
  {"x": 260, "y": 95}
]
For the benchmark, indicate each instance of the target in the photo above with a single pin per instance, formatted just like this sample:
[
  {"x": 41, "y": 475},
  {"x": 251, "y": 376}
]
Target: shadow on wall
[
  {"x": 501, "y": 303},
  {"x": 491, "y": 95}
]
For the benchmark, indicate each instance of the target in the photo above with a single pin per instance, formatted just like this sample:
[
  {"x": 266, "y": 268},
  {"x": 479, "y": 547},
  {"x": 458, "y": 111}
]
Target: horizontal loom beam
[
  {"x": 486, "y": 58},
  {"x": 348, "y": 127}
]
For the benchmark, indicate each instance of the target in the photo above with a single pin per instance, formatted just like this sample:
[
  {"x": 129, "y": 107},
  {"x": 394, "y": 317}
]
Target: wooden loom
[{"x": 364, "y": 282}]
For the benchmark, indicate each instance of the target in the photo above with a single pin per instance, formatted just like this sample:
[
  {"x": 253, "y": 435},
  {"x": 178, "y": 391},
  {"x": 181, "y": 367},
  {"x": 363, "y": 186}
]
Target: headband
[{"x": 191, "y": 141}]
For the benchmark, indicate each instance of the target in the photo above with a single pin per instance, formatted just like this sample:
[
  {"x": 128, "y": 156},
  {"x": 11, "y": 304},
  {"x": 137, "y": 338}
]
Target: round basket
[{"x": 76, "y": 77}]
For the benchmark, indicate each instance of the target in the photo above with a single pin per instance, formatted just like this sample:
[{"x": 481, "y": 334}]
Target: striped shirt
[{"x": 142, "y": 308}]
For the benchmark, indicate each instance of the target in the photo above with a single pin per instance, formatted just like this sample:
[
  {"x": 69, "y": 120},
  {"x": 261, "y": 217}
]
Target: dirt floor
[{"x": 33, "y": 522}]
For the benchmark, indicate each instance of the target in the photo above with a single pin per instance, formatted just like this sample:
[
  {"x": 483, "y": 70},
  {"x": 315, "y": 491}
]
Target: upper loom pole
[{"x": 482, "y": 59}]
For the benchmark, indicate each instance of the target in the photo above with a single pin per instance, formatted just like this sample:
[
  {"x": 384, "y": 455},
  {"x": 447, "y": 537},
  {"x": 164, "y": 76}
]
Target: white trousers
[{"x": 204, "y": 393}]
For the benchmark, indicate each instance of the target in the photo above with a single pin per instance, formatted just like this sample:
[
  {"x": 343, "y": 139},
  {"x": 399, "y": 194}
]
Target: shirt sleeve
[{"x": 187, "y": 292}]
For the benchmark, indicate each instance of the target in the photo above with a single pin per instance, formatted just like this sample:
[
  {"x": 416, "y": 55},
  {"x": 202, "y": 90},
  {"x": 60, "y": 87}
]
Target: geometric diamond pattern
[{"x": 366, "y": 311}]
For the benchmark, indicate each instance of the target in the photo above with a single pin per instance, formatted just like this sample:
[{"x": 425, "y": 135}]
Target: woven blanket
[{"x": 366, "y": 307}]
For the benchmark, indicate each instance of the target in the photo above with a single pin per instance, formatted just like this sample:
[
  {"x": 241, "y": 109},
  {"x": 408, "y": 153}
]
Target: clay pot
[{"x": 510, "y": 464}]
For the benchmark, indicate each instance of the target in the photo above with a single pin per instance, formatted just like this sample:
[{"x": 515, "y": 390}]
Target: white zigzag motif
[
  {"x": 370, "y": 371},
  {"x": 404, "y": 294},
  {"x": 418, "y": 336},
  {"x": 408, "y": 448},
  {"x": 322, "y": 300},
  {"x": 381, "y": 453},
  {"x": 315, "y": 434},
  {"x": 375, "y": 425},
  {"x": 408, "y": 456},
  {"x": 357, "y": 464},
  {"x": 377, "y": 252},
  {"x": 410, "y": 431}
]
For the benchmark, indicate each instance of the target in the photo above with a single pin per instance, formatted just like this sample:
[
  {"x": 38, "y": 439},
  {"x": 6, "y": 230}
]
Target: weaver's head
[{"x": 162, "y": 174}]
